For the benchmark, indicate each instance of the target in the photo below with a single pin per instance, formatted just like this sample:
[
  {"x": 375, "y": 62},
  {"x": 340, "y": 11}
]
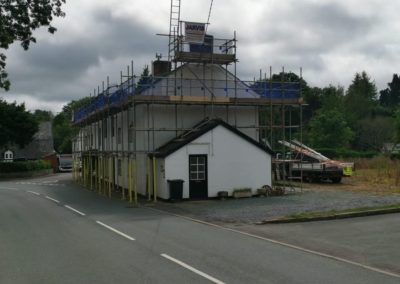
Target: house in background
[
  {"x": 391, "y": 148},
  {"x": 8, "y": 156},
  {"x": 41, "y": 145}
]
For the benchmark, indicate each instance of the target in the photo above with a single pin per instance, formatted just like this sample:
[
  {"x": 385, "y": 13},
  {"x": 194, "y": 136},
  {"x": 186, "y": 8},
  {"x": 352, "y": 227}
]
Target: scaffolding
[{"x": 122, "y": 125}]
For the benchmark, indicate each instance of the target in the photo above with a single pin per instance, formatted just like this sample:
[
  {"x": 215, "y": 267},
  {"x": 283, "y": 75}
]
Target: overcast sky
[{"x": 331, "y": 40}]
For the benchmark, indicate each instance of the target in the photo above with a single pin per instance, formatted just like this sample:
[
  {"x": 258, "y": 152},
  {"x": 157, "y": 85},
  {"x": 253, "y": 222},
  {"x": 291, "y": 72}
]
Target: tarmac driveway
[{"x": 256, "y": 209}]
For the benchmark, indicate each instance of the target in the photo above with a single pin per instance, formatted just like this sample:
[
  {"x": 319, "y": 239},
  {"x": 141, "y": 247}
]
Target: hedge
[
  {"x": 25, "y": 166},
  {"x": 346, "y": 153}
]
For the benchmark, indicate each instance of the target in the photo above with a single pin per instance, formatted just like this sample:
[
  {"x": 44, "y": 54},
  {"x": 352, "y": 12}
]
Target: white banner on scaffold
[{"x": 195, "y": 32}]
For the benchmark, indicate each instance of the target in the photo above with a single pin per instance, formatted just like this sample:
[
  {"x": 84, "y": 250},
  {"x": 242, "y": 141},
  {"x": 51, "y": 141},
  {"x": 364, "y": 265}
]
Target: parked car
[{"x": 64, "y": 163}]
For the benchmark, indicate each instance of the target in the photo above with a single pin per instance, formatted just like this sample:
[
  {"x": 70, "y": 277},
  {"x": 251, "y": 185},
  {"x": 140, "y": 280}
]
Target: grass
[
  {"x": 318, "y": 214},
  {"x": 379, "y": 171}
]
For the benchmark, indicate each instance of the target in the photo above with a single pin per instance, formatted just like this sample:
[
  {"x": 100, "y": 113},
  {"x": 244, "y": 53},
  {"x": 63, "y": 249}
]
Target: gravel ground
[{"x": 251, "y": 210}]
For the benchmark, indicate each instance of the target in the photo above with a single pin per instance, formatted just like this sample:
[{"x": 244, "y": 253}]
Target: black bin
[{"x": 175, "y": 189}]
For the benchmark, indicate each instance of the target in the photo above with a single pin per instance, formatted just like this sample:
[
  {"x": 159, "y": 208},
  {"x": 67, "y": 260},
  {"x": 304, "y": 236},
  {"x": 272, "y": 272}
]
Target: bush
[
  {"x": 26, "y": 166},
  {"x": 395, "y": 156},
  {"x": 346, "y": 153}
]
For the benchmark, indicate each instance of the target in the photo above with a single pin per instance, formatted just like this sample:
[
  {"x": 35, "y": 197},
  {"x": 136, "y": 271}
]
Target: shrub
[
  {"x": 345, "y": 153},
  {"x": 242, "y": 189},
  {"x": 25, "y": 166}
]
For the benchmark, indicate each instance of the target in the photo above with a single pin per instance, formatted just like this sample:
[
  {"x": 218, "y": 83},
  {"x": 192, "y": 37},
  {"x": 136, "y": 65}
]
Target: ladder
[{"x": 174, "y": 20}]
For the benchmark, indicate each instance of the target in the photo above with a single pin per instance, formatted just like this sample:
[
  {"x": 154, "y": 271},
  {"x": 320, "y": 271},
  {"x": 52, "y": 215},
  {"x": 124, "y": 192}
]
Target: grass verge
[
  {"x": 335, "y": 214},
  {"x": 338, "y": 212}
]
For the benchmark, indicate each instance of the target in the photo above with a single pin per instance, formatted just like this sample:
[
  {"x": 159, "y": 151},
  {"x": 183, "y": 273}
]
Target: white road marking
[
  {"x": 73, "y": 209},
  {"x": 52, "y": 199},
  {"x": 212, "y": 279},
  {"x": 33, "y": 192},
  {"x": 286, "y": 245},
  {"x": 48, "y": 183},
  {"x": 9, "y": 188},
  {"x": 115, "y": 231}
]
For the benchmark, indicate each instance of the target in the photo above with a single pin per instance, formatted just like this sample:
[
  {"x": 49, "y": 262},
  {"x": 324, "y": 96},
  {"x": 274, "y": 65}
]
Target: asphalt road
[
  {"x": 371, "y": 240},
  {"x": 52, "y": 231}
]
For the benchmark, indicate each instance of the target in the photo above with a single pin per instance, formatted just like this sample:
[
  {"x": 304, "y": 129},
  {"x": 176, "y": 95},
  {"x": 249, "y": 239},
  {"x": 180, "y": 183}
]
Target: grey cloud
[
  {"x": 288, "y": 33},
  {"x": 68, "y": 58},
  {"x": 314, "y": 27},
  {"x": 302, "y": 33},
  {"x": 52, "y": 70}
]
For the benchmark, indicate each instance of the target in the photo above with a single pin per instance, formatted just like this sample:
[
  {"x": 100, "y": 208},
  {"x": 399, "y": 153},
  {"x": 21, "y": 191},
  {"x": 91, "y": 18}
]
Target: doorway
[{"x": 198, "y": 184}]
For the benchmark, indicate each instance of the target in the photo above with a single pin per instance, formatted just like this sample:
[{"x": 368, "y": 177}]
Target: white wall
[{"x": 232, "y": 163}]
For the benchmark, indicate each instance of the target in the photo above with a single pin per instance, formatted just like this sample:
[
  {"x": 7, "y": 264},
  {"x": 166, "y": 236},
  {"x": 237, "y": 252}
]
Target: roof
[
  {"x": 41, "y": 144},
  {"x": 198, "y": 130},
  {"x": 198, "y": 80}
]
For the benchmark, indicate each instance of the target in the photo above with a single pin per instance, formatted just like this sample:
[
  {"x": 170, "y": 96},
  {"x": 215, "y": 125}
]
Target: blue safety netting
[
  {"x": 277, "y": 90},
  {"x": 122, "y": 93},
  {"x": 100, "y": 102}
]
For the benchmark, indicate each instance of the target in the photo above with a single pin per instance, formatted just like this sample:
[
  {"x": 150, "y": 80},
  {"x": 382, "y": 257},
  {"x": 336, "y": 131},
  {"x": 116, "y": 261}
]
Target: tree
[
  {"x": 312, "y": 99},
  {"x": 329, "y": 129},
  {"x": 17, "y": 126},
  {"x": 63, "y": 130},
  {"x": 43, "y": 115},
  {"x": 360, "y": 100},
  {"x": 372, "y": 132},
  {"x": 390, "y": 97},
  {"x": 144, "y": 80},
  {"x": 18, "y": 20},
  {"x": 397, "y": 126},
  {"x": 332, "y": 98}
]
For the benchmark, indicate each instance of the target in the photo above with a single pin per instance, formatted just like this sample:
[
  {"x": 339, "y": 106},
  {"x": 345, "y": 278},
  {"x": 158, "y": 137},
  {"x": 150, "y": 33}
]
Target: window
[
  {"x": 119, "y": 135},
  {"x": 8, "y": 155},
  {"x": 105, "y": 128},
  {"x": 99, "y": 136},
  {"x": 197, "y": 168},
  {"x": 130, "y": 135},
  {"x": 112, "y": 126},
  {"x": 119, "y": 167}
]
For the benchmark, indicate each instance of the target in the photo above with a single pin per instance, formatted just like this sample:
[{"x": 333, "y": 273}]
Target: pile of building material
[{"x": 307, "y": 164}]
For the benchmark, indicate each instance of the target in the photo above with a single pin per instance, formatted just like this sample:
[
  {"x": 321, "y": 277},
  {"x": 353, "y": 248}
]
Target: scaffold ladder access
[{"x": 173, "y": 27}]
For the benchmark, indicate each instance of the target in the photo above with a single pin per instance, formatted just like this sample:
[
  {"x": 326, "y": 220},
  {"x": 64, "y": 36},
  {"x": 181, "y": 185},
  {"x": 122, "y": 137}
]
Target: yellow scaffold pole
[
  {"x": 91, "y": 172},
  {"x": 135, "y": 182},
  {"x": 75, "y": 171},
  {"x": 97, "y": 175},
  {"x": 130, "y": 180},
  {"x": 154, "y": 179},
  {"x": 103, "y": 182},
  {"x": 122, "y": 177},
  {"x": 110, "y": 169},
  {"x": 100, "y": 175},
  {"x": 84, "y": 172},
  {"x": 148, "y": 180}
]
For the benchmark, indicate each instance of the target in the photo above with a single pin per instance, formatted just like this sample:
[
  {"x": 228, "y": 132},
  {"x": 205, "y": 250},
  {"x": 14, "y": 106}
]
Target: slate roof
[
  {"x": 41, "y": 145},
  {"x": 199, "y": 129},
  {"x": 222, "y": 82}
]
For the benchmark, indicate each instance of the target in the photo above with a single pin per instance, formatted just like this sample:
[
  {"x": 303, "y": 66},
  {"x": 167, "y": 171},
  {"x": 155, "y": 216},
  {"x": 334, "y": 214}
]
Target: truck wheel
[{"x": 336, "y": 179}]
